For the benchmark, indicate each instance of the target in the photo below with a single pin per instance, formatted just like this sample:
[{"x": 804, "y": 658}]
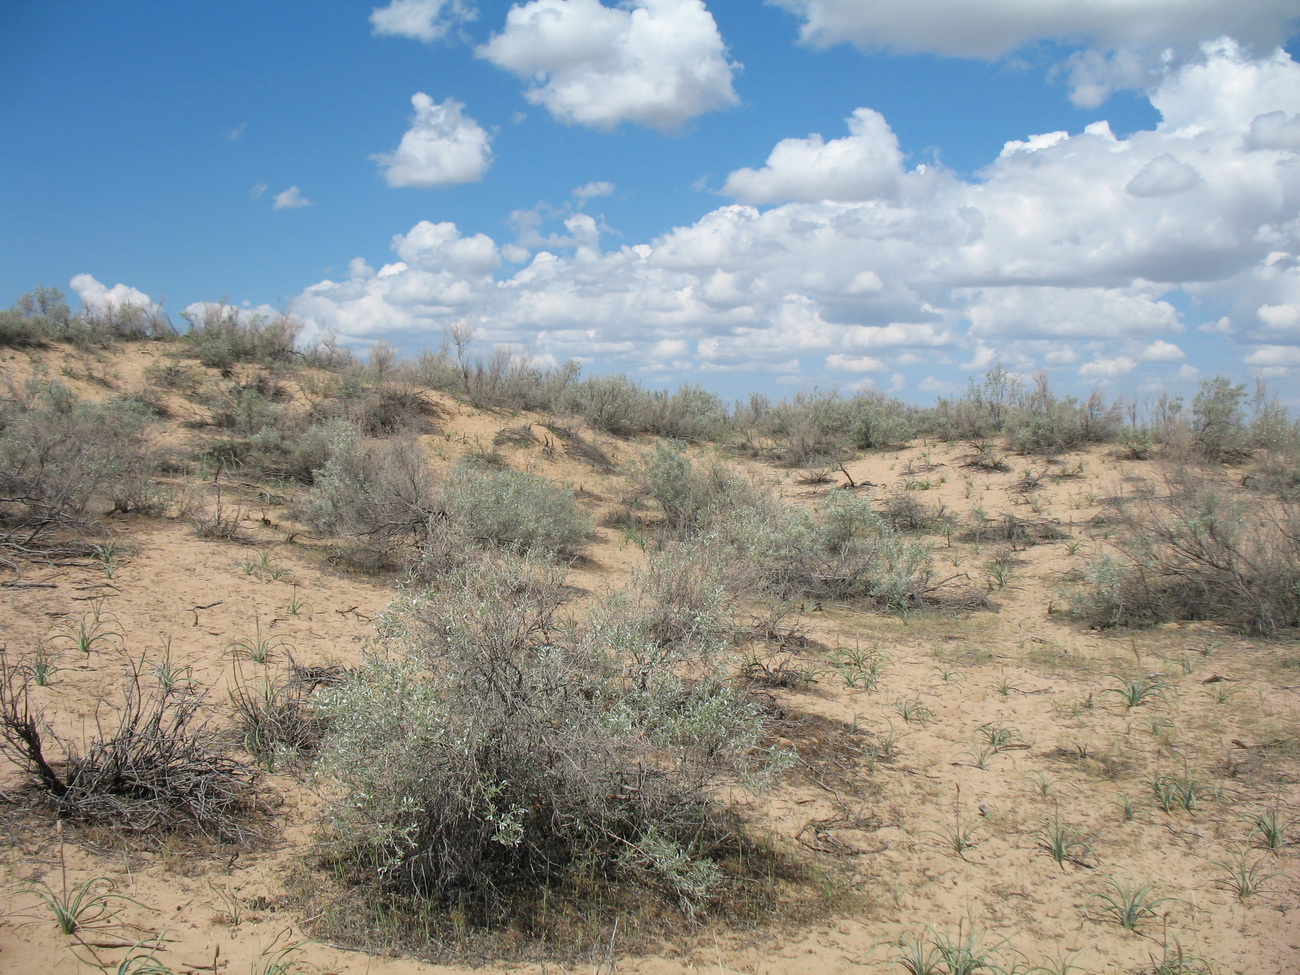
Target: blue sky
[{"x": 746, "y": 195}]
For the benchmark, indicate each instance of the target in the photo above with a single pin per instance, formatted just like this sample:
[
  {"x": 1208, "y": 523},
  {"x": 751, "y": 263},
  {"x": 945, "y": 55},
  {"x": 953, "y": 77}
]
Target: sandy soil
[{"x": 985, "y": 727}]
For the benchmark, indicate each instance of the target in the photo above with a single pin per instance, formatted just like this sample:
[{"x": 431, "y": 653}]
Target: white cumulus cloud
[
  {"x": 1046, "y": 257},
  {"x": 656, "y": 63},
  {"x": 1163, "y": 176},
  {"x": 442, "y": 147},
  {"x": 995, "y": 28},
  {"x": 864, "y": 165},
  {"x": 96, "y": 296},
  {"x": 290, "y": 199},
  {"x": 421, "y": 20},
  {"x": 1128, "y": 43}
]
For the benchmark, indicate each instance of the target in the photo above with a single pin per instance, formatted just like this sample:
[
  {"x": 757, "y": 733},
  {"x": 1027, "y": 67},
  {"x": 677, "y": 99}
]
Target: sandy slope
[{"x": 878, "y": 820}]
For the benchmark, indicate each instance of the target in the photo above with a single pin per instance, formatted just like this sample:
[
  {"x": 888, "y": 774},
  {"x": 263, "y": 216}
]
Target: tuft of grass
[
  {"x": 1128, "y": 902},
  {"x": 257, "y": 648},
  {"x": 964, "y": 952},
  {"x": 93, "y": 630},
  {"x": 1139, "y": 691},
  {"x": 89, "y": 904},
  {"x": 859, "y": 668},
  {"x": 1242, "y": 876},
  {"x": 43, "y": 667},
  {"x": 1269, "y": 829},
  {"x": 1040, "y": 784},
  {"x": 1062, "y": 843},
  {"x": 913, "y": 709},
  {"x": 297, "y": 606},
  {"x": 957, "y": 834}
]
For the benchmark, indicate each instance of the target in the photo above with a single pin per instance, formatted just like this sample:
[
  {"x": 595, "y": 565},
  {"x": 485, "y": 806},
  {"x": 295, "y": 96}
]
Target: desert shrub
[
  {"x": 64, "y": 461},
  {"x": 687, "y": 493},
  {"x": 1218, "y": 420},
  {"x": 1042, "y": 423},
  {"x": 614, "y": 404},
  {"x": 38, "y": 317},
  {"x": 377, "y": 495},
  {"x": 845, "y": 550},
  {"x": 491, "y": 755},
  {"x": 678, "y": 606},
  {"x": 1202, "y": 552},
  {"x": 580, "y": 447},
  {"x": 279, "y": 722},
  {"x": 513, "y": 509},
  {"x": 377, "y": 409},
  {"x": 159, "y": 769},
  {"x": 811, "y": 428},
  {"x": 905, "y": 512},
  {"x": 879, "y": 422},
  {"x": 103, "y": 325},
  {"x": 984, "y": 408},
  {"x": 220, "y": 336},
  {"x": 42, "y": 316}
]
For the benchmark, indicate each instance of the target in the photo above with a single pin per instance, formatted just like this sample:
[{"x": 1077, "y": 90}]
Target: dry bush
[
  {"x": 580, "y": 447},
  {"x": 1202, "y": 551},
  {"x": 221, "y": 335},
  {"x": 688, "y": 494},
  {"x": 377, "y": 495},
  {"x": 905, "y": 512},
  {"x": 154, "y": 766},
  {"x": 278, "y": 719},
  {"x": 63, "y": 462},
  {"x": 494, "y": 753},
  {"x": 845, "y": 550}
]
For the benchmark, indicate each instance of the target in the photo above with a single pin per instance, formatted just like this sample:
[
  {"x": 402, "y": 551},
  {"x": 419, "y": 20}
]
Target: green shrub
[
  {"x": 688, "y": 494},
  {"x": 491, "y": 756},
  {"x": 1218, "y": 420},
  {"x": 515, "y": 510},
  {"x": 878, "y": 424}
]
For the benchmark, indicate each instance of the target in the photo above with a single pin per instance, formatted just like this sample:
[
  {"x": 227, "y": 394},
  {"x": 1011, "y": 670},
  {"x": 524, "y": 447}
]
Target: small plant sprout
[
  {"x": 170, "y": 675},
  {"x": 297, "y": 606},
  {"x": 87, "y": 905},
  {"x": 1269, "y": 829},
  {"x": 1040, "y": 784},
  {"x": 109, "y": 554},
  {"x": 859, "y": 668},
  {"x": 1125, "y": 805},
  {"x": 919, "y": 956},
  {"x": 999, "y": 574},
  {"x": 1004, "y": 685},
  {"x": 965, "y": 953},
  {"x": 1183, "y": 790},
  {"x": 1221, "y": 692},
  {"x": 959, "y": 836},
  {"x": 92, "y": 630},
  {"x": 947, "y": 674},
  {"x": 257, "y": 648},
  {"x": 1128, "y": 902},
  {"x": 1002, "y": 738},
  {"x": 913, "y": 709},
  {"x": 43, "y": 667},
  {"x": 1136, "y": 693},
  {"x": 1243, "y": 876},
  {"x": 1062, "y": 843}
]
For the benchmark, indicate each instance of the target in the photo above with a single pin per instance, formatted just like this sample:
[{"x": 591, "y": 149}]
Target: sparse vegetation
[{"x": 558, "y": 745}]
